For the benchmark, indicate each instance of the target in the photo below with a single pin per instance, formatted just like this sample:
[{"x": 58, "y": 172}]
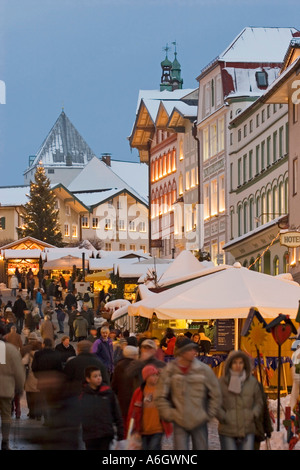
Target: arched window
[
  {"x": 275, "y": 202},
  {"x": 286, "y": 262},
  {"x": 267, "y": 263},
  {"x": 281, "y": 199},
  {"x": 257, "y": 211},
  {"x": 245, "y": 217},
  {"x": 252, "y": 264},
  {"x": 251, "y": 204},
  {"x": 239, "y": 213},
  {"x": 258, "y": 264},
  {"x": 276, "y": 266}
]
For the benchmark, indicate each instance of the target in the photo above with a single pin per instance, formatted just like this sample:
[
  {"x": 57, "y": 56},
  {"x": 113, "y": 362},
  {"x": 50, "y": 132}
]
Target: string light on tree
[{"x": 39, "y": 213}]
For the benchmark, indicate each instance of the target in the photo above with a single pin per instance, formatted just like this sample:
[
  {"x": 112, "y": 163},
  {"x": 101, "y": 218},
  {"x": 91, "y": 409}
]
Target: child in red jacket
[{"x": 142, "y": 409}]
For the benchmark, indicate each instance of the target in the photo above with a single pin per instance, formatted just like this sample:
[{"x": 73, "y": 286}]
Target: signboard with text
[{"x": 290, "y": 239}]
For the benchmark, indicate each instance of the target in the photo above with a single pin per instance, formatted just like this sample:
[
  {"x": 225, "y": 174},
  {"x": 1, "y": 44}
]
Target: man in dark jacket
[
  {"x": 70, "y": 300},
  {"x": 47, "y": 367},
  {"x": 99, "y": 412},
  {"x": 74, "y": 372},
  {"x": 65, "y": 349},
  {"x": 72, "y": 315},
  {"x": 74, "y": 369},
  {"x": 18, "y": 309}
]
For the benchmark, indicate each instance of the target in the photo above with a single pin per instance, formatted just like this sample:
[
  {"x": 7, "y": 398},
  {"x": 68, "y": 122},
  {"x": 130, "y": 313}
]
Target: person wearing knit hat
[
  {"x": 149, "y": 370},
  {"x": 188, "y": 395},
  {"x": 144, "y": 414}
]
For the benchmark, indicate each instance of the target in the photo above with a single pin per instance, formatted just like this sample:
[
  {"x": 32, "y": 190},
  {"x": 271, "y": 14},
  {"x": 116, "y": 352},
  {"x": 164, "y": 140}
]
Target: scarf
[{"x": 236, "y": 381}]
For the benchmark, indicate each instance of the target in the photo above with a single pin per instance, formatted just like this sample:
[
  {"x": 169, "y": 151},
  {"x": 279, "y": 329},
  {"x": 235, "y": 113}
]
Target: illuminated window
[
  {"x": 205, "y": 144},
  {"x": 187, "y": 180},
  {"x": 193, "y": 177},
  {"x": 213, "y": 140},
  {"x": 173, "y": 160},
  {"x": 132, "y": 227},
  {"x": 66, "y": 230},
  {"x": 222, "y": 194},
  {"x": 214, "y": 197},
  {"x": 206, "y": 201},
  {"x": 74, "y": 231},
  {"x": 121, "y": 224},
  {"x": 85, "y": 221},
  {"x": 107, "y": 224},
  {"x": 181, "y": 155},
  {"x": 95, "y": 222},
  {"x": 221, "y": 135}
]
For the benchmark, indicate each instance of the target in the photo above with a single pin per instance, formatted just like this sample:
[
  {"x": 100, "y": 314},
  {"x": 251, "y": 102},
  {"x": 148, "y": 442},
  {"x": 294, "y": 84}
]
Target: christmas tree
[{"x": 39, "y": 213}]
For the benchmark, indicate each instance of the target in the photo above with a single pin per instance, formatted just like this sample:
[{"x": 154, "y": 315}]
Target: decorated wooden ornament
[{"x": 281, "y": 333}]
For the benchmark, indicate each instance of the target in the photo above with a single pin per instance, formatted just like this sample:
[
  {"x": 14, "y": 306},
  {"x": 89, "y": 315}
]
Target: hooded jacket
[
  {"x": 188, "y": 399},
  {"x": 239, "y": 413},
  {"x": 99, "y": 412}
]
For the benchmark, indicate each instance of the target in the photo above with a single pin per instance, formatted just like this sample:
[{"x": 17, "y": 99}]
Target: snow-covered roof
[
  {"x": 255, "y": 231},
  {"x": 245, "y": 83},
  {"x": 110, "y": 259},
  {"x": 14, "y": 195},
  {"x": 258, "y": 44},
  {"x": 136, "y": 270},
  {"x": 22, "y": 254},
  {"x": 134, "y": 174},
  {"x": 97, "y": 175},
  {"x": 56, "y": 253},
  {"x": 64, "y": 141},
  {"x": 164, "y": 95}
]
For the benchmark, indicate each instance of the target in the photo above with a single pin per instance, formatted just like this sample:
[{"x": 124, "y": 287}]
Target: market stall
[{"x": 225, "y": 296}]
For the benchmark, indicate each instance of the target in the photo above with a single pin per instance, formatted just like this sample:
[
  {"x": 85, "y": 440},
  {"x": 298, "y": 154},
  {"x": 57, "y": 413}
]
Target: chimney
[{"x": 106, "y": 158}]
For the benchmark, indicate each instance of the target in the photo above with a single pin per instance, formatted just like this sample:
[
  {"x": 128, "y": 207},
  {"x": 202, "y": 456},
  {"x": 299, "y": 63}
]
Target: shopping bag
[{"x": 134, "y": 439}]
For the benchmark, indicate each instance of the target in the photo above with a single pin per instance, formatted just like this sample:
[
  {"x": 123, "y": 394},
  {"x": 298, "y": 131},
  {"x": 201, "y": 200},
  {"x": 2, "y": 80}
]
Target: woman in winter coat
[
  {"x": 31, "y": 389},
  {"x": 47, "y": 329},
  {"x": 242, "y": 404}
]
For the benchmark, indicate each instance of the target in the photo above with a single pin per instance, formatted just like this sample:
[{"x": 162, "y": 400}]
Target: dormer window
[{"x": 262, "y": 79}]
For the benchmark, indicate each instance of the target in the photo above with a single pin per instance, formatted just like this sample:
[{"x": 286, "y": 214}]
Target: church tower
[{"x": 171, "y": 72}]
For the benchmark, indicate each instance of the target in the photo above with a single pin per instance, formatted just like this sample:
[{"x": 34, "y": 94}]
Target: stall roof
[
  {"x": 55, "y": 253},
  {"x": 22, "y": 254},
  {"x": 230, "y": 294}
]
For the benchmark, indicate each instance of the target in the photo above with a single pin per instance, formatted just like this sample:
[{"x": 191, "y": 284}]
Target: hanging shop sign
[{"x": 290, "y": 239}]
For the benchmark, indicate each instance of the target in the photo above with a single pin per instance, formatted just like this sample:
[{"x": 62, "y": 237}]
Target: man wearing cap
[
  {"x": 188, "y": 395},
  {"x": 148, "y": 350}
]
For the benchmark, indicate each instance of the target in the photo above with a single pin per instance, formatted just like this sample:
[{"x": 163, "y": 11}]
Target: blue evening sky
[{"x": 93, "y": 57}]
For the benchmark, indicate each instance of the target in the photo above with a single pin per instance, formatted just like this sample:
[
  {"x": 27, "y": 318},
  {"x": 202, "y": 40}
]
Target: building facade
[
  {"x": 227, "y": 86},
  {"x": 258, "y": 187},
  {"x": 285, "y": 91}
]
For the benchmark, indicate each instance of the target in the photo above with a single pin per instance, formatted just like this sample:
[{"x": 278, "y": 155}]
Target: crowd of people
[{"x": 101, "y": 385}]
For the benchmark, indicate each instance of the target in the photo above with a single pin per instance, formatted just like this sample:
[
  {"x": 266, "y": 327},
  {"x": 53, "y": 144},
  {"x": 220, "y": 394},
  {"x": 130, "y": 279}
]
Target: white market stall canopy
[
  {"x": 225, "y": 294},
  {"x": 23, "y": 254},
  {"x": 186, "y": 266},
  {"x": 66, "y": 262},
  {"x": 136, "y": 270},
  {"x": 56, "y": 253}
]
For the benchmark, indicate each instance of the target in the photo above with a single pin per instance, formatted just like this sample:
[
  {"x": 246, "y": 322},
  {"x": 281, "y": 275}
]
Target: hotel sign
[{"x": 290, "y": 239}]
